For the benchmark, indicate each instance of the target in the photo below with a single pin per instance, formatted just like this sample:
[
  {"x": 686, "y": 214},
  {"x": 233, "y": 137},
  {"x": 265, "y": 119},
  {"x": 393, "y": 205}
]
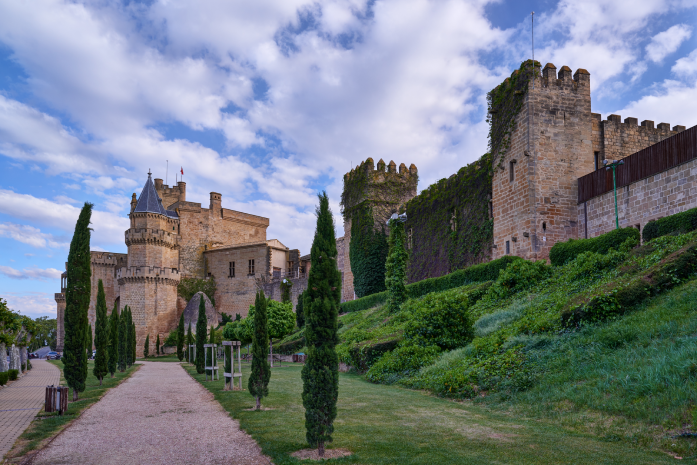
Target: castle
[
  {"x": 524, "y": 196},
  {"x": 171, "y": 239}
]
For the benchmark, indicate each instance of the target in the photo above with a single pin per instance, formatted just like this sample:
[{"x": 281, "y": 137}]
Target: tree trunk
[
  {"x": 258, "y": 403},
  {"x": 100, "y": 380},
  {"x": 320, "y": 449},
  {"x": 74, "y": 395}
]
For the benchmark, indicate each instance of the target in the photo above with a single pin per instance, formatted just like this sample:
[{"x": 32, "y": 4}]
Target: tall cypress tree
[
  {"x": 133, "y": 340},
  {"x": 101, "y": 335},
  {"x": 88, "y": 340},
  {"x": 146, "y": 348},
  {"x": 201, "y": 336},
  {"x": 189, "y": 341},
  {"x": 321, "y": 371},
  {"x": 129, "y": 338},
  {"x": 396, "y": 267},
  {"x": 123, "y": 338},
  {"x": 113, "y": 340},
  {"x": 261, "y": 372},
  {"x": 299, "y": 313},
  {"x": 77, "y": 301},
  {"x": 157, "y": 343},
  {"x": 180, "y": 338}
]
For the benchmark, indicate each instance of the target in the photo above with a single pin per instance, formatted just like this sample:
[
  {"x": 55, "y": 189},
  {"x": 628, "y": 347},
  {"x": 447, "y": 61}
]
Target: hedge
[
  {"x": 564, "y": 252},
  {"x": 478, "y": 273},
  {"x": 680, "y": 223}
]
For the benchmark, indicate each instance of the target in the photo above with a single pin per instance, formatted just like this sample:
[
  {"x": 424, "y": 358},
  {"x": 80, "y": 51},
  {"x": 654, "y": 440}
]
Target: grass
[
  {"x": 387, "y": 425},
  {"x": 48, "y": 425},
  {"x": 161, "y": 358}
]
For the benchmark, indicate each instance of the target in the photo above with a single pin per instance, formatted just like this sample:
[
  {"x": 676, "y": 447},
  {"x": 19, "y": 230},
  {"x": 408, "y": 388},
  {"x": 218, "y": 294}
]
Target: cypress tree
[
  {"x": 157, "y": 343},
  {"x": 133, "y": 340},
  {"x": 299, "y": 313},
  {"x": 89, "y": 345},
  {"x": 146, "y": 349},
  {"x": 113, "y": 340},
  {"x": 77, "y": 301},
  {"x": 123, "y": 338},
  {"x": 101, "y": 335},
  {"x": 201, "y": 336},
  {"x": 396, "y": 267},
  {"x": 321, "y": 304},
  {"x": 129, "y": 338},
  {"x": 180, "y": 338},
  {"x": 189, "y": 341},
  {"x": 261, "y": 372},
  {"x": 211, "y": 340}
]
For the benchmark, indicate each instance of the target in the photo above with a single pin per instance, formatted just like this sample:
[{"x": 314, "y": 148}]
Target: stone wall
[
  {"x": 60, "y": 320},
  {"x": 663, "y": 194},
  {"x": 272, "y": 288},
  {"x": 104, "y": 266}
]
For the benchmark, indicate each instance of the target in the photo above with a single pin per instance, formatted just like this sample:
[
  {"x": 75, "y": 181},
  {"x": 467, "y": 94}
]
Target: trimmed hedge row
[
  {"x": 680, "y": 223},
  {"x": 478, "y": 273},
  {"x": 564, "y": 252}
]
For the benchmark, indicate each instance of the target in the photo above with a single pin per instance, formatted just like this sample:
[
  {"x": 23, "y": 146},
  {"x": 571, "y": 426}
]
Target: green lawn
[
  {"x": 49, "y": 424},
  {"x": 161, "y": 358},
  {"x": 391, "y": 425}
]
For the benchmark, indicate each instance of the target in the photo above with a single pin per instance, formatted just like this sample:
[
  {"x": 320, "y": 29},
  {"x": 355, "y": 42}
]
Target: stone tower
[
  {"x": 148, "y": 284},
  {"x": 386, "y": 189}
]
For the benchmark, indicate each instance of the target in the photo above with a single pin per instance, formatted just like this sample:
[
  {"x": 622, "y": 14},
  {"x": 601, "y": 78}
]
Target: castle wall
[
  {"x": 663, "y": 194},
  {"x": 104, "y": 266},
  {"x": 617, "y": 140},
  {"x": 347, "y": 291},
  {"x": 170, "y": 195},
  {"x": 60, "y": 320}
]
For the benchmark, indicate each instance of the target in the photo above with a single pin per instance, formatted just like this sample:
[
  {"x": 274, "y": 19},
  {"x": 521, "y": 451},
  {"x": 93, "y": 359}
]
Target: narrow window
[
  {"x": 453, "y": 220},
  {"x": 251, "y": 267},
  {"x": 544, "y": 227},
  {"x": 409, "y": 238},
  {"x": 232, "y": 270},
  {"x": 596, "y": 159},
  {"x": 512, "y": 171},
  {"x": 491, "y": 208},
  {"x": 508, "y": 247}
]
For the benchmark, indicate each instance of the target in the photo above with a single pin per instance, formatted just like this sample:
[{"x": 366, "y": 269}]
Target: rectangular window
[
  {"x": 232, "y": 270},
  {"x": 251, "y": 267},
  {"x": 596, "y": 159},
  {"x": 508, "y": 247},
  {"x": 512, "y": 171}
]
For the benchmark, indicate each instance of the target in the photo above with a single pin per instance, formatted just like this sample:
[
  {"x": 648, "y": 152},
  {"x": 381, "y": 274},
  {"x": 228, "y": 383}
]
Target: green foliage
[
  {"x": 181, "y": 338},
  {"x": 88, "y": 340},
  {"x": 564, "y": 252},
  {"x": 45, "y": 332},
  {"x": 226, "y": 319},
  {"x": 201, "y": 331},
  {"x": 321, "y": 371},
  {"x": 405, "y": 360},
  {"x": 157, "y": 344},
  {"x": 77, "y": 300},
  {"x": 101, "y": 335},
  {"x": 518, "y": 276},
  {"x": 188, "y": 287},
  {"x": 299, "y": 314},
  {"x": 122, "y": 321},
  {"x": 146, "y": 348},
  {"x": 367, "y": 252},
  {"x": 130, "y": 338},
  {"x": 286, "y": 286},
  {"x": 395, "y": 267},
  {"x": 4, "y": 377},
  {"x": 12, "y": 374},
  {"x": 280, "y": 319},
  {"x": 476, "y": 273},
  {"x": 133, "y": 338},
  {"x": 680, "y": 223},
  {"x": 241, "y": 330},
  {"x": 261, "y": 372}
]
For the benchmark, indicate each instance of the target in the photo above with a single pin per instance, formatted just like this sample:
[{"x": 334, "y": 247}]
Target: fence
[{"x": 652, "y": 160}]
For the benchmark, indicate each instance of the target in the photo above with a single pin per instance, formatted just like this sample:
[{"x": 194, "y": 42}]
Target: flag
[{"x": 182, "y": 171}]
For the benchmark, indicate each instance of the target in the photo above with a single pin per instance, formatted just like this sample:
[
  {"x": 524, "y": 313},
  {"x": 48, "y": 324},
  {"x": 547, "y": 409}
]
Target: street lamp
[
  {"x": 400, "y": 218},
  {"x": 612, "y": 165}
]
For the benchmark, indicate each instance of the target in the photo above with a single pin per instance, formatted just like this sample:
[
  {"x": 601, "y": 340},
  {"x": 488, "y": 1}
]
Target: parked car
[
  {"x": 94, "y": 353},
  {"x": 53, "y": 356},
  {"x": 33, "y": 355}
]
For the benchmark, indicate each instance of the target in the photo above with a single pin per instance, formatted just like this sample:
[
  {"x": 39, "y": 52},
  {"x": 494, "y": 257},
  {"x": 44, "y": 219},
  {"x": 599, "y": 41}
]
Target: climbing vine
[{"x": 367, "y": 253}]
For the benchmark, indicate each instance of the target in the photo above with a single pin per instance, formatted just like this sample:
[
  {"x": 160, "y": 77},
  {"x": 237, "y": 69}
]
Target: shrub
[
  {"x": 440, "y": 319},
  {"x": 564, "y": 252},
  {"x": 12, "y": 374},
  {"x": 4, "y": 376},
  {"x": 518, "y": 276},
  {"x": 679, "y": 223},
  {"x": 363, "y": 355},
  {"x": 24, "y": 367},
  {"x": 404, "y": 361},
  {"x": 493, "y": 321},
  {"x": 477, "y": 273}
]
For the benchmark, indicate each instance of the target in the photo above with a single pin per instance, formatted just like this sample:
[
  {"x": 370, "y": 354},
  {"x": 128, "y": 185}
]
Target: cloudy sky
[{"x": 268, "y": 102}]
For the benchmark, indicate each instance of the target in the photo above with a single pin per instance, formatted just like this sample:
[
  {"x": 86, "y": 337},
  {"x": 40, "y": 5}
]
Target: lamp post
[{"x": 612, "y": 165}]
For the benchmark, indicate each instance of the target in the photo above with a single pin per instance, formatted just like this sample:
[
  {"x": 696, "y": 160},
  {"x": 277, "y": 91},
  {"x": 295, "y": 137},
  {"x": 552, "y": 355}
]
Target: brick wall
[{"x": 663, "y": 194}]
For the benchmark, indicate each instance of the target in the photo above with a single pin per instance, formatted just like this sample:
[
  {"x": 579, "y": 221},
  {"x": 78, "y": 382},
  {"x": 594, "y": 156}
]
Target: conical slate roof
[
  {"x": 149, "y": 201},
  {"x": 191, "y": 312}
]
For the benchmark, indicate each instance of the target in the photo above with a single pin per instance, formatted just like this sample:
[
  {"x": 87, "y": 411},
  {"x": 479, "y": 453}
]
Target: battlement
[
  {"x": 152, "y": 236},
  {"x": 147, "y": 272},
  {"x": 170, "y": 195},
  {"x": 384, "y": 183},
  {"x": 630, "y": 122},
  {"x": 108, "y": 258}
]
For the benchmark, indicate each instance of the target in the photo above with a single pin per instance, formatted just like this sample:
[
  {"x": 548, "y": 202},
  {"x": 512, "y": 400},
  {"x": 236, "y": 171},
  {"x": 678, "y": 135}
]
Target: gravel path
[{"x": 158, "y": 416}]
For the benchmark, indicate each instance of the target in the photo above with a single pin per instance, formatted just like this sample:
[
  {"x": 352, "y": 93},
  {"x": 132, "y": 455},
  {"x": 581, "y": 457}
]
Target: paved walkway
[
  {"x": 21, "y": 400},
  {"x": 160, "y": 415}
]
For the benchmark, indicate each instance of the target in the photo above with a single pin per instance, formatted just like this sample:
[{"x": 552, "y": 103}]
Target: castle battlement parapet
[
  {"x": 169, "y": 275},
  {"x": 383, "y": 184},
  {"x": 152, "y": 236},
  {"x": 107, "y": 259}
]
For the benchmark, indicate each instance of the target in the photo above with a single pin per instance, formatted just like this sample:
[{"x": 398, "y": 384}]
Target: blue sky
[{"x": 268, "y": 102}]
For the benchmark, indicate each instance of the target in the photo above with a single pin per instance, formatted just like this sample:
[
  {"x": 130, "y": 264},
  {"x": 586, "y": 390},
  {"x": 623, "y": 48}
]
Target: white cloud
[
  {"x": 667, "y": 42},
  {"x": 686, "y": 66},
  {"x": 32, "y": 304},
  {"x": 30, "y": 273},
  {"x": 670, "y": 102},
  {"x": 29, "y": 235}
]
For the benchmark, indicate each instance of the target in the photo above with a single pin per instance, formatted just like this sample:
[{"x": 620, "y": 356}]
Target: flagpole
[{"x": 167, "y": 173}]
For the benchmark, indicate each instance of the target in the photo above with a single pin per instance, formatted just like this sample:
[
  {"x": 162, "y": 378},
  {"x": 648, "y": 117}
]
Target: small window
[
  {"x": 512, "y": 171},
  {"x": 453, "y": 220},
  {"x": 409, "y": 238},
  {"x": 173, "y": 228},
  {"x": 596, "y": 159},
  {"x": 232, "y": 270},
  {"x": 544, "y": 227},
  {"x": 251, "y": 267},
  {"x": 508, "y": 247}
]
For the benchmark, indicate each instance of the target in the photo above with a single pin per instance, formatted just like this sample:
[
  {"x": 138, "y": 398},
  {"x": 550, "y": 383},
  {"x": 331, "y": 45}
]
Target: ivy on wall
[
  {"x": 188, "y": 287},
  {"x": 367, "y": 253}
]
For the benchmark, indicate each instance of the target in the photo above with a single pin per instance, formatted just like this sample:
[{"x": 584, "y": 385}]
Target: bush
[
  {"x": 4, "y": 376},
  {"x": 363, "y": 355},
  {"x": 12, "y": 374},
  {"x": 404, "y": 361},
  {"x": 440, "y": 319},
  {"x": 518, "y": 276},
  {"x": 290, "y": 347},
  {"x": 477, "y": 273},
  {"x": 171, "y": 339},
  {"x": 564, "y": 252},
  {"x": 680, "y": 223},
  {"x": 493, "y": 321}
]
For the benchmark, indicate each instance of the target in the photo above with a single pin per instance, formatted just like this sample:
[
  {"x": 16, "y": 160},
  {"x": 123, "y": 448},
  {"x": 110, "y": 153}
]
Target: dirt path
[{"x": 158, "y": 416}]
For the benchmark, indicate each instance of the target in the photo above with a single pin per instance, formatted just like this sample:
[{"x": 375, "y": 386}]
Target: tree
[
  {"x": 201, "y": 336},
  {"x": 285, "y": 290},
  {"x": 157, "y": 343},
  {"x": 180, "y": 338},
  {"x": 280, "y": 321},
  {"x": 321, "y": 305},
  {"x": 113, "y": 340},
  {"x": 45, "y": 333},
  {"x": 396, "y": 267},
  {"x": 101, "y": 336},
  {"x": 77, "y": 301},
  {"x": 123, "y": 339},
  {"x": 146, "y": 348},
  {"x": 299, "y": 314},
  {"x": 189, "y": 342},
  {"x": 129, "y": 338},
  {"x": 133, "y": 339},
  {"x": 261, "y": 372},
  {"x": 88, "y": 340}
]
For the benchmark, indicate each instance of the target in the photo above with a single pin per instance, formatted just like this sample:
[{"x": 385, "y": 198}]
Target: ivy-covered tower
[{"x": 371, "y": 195}]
